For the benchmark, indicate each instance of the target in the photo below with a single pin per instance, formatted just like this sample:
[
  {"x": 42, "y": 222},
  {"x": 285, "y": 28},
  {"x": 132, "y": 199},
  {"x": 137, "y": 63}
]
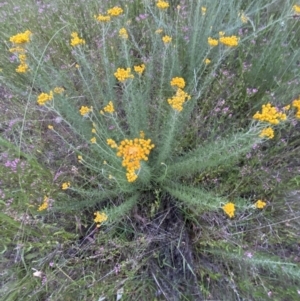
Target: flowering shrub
[{"x": 157, "y": 124}]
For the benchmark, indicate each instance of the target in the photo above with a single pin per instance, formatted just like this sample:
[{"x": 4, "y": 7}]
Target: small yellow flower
[
  {"x": 85, "y": 110},
  {"x": 203, "y": 10},
  {"x": 65, "y": 185},
  {"x": 229, "y": 209},
  {"x": 45, "y": 204},
  {"x": 260, "y": 204},
  {"x": 139, "y": 69},
  {"x": 123, "y": 33},
  {"x": 123, "y": 74},
  {"x": 79, "y": 157},
  {"x": 162, "y": 4},
  {"x": 177, "y": 82},
  {"x": 207, "y": 61},
  {"x": 58, "y": 90},
  {"x": 75, "y": 40},
  {"x": 296, "y": 9},
  {"x": 221, "y": 33},
  {"x": 50, "y": 127},
  {"x": 267, "y": 132},
  {"x": 100, "y": 217},
  {"x": 212, "y": 42},
  {"x": 296, "y": 104},
  {"x": 112, "y": 144},
  {"x": 109, "y": 108},
  {"x": 166, "y": 39},
  {"x": 77, "y": 66},
  {"x": 270, "y": 114},
  {"x": 22, "y": 68},
  {"x": 231, "y": 41},
  {"x": 102, "y": 18},
  {"x": 21, "y": 38},
  {"x": 177, "y": 101},
  {"x": 243, "y": 17},
  {"x": 286, "y": 108},
  {"x": 44, "y": 97},
  {"x": 93, "y": 140},
  {"x": 115, "y": 11},
  {"x": 158, "y": 31},
  {"x": 94, "y": 131}
]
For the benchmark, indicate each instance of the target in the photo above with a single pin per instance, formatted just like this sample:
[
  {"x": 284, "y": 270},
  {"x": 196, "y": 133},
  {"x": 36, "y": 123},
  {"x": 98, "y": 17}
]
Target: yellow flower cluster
[
  {"x": 296, "y": 104},
  {"x": 260, "y": 204},
  {"x": 75, "y": 40},
  {"x": 44, "y": 97},
  {"x": 115, "y": 11},
  {"x": 102, "y": 18},
  {"x": 162, "y": 4},
  {"x": 58, "y": 90},
  {"x": 93, "y": 140},
  {"x": 100, "y": 217},
  {"x": 212, "y": 42},
  {"x": 45, "y": 204},
  {"x": 207, "y": 61},
  {"x": 203, "y": 10},
  {"x": 123, "y": 33},
  {"x": 243, "y": 17},
  {"x": 166, "y": 39},
  {"x": 123, "y": 74},
  {"x": 65, "y": 185},
  {"x": 296, "y": 9},
  {"x": 177, "y": 82},
  {"x": 132, "y": 152},
  {"x": 109, "y": 108},
  {"x": 231, "y": 41},
  {"x": 139, "y": 68},
  {"x": 21, "y": 38},
  {"x": 267, "y": 132},
  {"x": 229, "y": 209},
  {"x": 85, "y": 110},
  {"x": 177, "y": 101},
  {"x": 269, "y": 114}
]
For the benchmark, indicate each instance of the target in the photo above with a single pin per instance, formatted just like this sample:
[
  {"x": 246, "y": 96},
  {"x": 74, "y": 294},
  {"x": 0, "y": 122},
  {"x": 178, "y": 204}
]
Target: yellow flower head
[
  {"x": 75, "y": 40},
  {"x": 139, "y": 69},
  {"x": 100, "y": 217},
  {"x": 65, "y": 185},
  {"x": 296, "y": 9},
  {"x": 21, "y": 38},
  {"x": 178, "y": 82},
  {"x": 177, "y": 101},
  {"x": 58, "y": 90},
  {"x": 132, "y": 152},
  {"x": 267, "y": 132},
  {"x": 109, "y": 108},
  {"x": 260, "y": 204},
  {"x": 296, "y": 104},
  {"x": 115, "y": 11},
  {"x": 123, "y": 33},
  {"x": 203, "y": 10},
  {"x": 229, "y": 209},
  {"x": 93, "y": 140},
  {"x": 166, "y": 39},
  {"x": 162, "y": 4},
  {"x": 212, "y": 42},
  {"x": 22, "y": 68},
  {"x": 45, "y": 204},
  {"x": 270, "y": 114},
  {"x": 123, "y": 74},
  {"x": 231, "y": 41},
  {"x": 243, "y": 17},
  {"x": 207, "y": 61},
  {"x": 44, "y": 97},
  {"x": 79, "y": 157},
  {"x": 102, "y": 18},
  {"x": 50, "y": 127},
  {"x": 85, "y": 110}
]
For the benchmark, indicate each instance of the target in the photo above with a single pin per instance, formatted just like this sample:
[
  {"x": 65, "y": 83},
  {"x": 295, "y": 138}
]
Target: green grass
[{"x": 166, "y": 236}]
